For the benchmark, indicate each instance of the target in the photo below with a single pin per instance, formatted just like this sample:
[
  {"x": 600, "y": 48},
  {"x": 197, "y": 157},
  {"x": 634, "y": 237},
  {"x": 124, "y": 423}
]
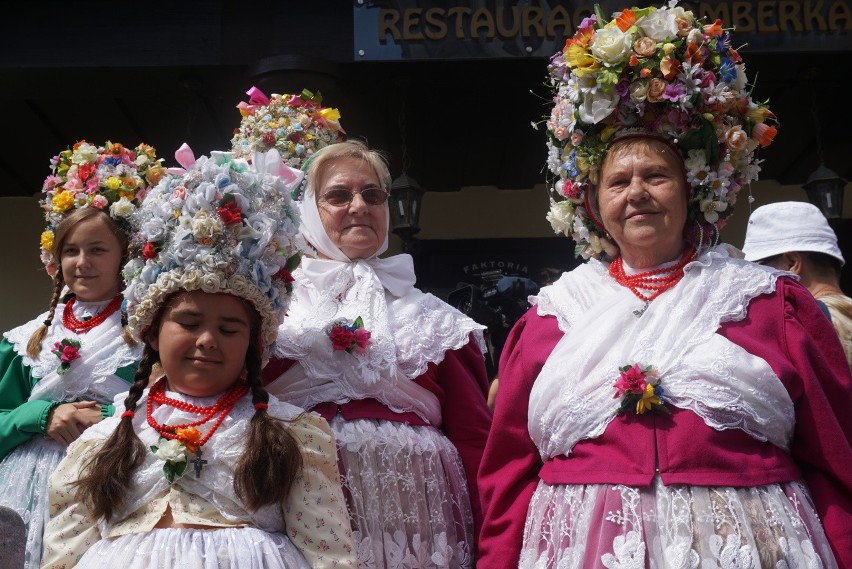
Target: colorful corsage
[
  {"x": 174, "y": 451},
  {"x": 67, "y": 351},
  {"x": 349, "y": 337},
  {"x": 637, "y": 392}
]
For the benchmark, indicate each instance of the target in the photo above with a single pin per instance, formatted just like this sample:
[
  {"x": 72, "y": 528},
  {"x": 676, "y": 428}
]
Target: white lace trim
[
  {"x": 102, "y": 352},
  {"x": 222, "y": 452},
  {"x": 676, "y": 527},
  {"x": 407, "y": 334},
  {"x": 572, "y": 398}
]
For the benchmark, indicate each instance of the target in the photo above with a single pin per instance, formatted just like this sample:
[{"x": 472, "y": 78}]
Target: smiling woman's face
[
  {"x": 357, "y": 228},
  {"x": 642, "y": 197}
]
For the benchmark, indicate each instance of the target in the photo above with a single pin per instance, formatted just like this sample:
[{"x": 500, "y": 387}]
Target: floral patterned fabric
[{"x": 314, "y": 516}]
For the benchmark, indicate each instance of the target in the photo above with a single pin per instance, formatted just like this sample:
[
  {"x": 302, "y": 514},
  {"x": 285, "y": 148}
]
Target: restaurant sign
[{"x": 421, "y": 29}]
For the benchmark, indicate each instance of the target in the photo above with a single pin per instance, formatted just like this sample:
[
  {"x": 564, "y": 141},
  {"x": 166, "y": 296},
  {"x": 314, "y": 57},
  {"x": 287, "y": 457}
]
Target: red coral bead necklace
[
  {"x": 220, "y": 409},
  {"x": 71, "y": 322},
  {"x": 656, "y": 281}
]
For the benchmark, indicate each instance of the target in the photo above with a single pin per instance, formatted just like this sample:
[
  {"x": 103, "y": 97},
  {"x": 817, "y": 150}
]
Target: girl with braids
[
  {"x": 60, "y": 372},
  {"x": 202, "y": 467}
]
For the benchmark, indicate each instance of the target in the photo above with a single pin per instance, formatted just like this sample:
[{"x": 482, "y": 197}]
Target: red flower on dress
[
  {"x": 350, "y": 337},
  {"x": 67, "y": 351}
]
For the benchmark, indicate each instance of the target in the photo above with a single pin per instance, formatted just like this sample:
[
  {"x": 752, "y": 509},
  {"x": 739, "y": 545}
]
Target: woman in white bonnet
[{"x": 399, "y": 374}]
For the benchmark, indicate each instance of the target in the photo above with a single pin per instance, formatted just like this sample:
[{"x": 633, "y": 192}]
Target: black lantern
[
  {"x": 824, "y": 187},
  {"x": 405, "y": 198},
  {"x": 825, "y": 190}
]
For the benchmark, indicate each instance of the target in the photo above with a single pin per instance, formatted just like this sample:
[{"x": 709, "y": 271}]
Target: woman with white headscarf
[{"x": 398, "y": 373}]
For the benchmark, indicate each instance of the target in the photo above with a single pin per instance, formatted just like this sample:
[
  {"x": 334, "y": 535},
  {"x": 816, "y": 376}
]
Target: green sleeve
[
  {"x": 128, "y": 374},
  {"x": 20, "y": 420}
]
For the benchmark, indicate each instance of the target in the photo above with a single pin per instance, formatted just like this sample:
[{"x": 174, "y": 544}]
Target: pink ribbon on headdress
[
  {"x": 257, "y": 98},
  {"x": 270, "y": 162},
  {"x": 185, "y": 157}
]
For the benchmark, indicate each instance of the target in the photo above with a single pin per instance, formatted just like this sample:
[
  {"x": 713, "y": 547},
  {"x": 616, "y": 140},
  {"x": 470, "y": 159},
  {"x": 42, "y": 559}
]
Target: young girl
[
  {"x": 204, "y": 468},
  {"x": 60, "y": 372}
]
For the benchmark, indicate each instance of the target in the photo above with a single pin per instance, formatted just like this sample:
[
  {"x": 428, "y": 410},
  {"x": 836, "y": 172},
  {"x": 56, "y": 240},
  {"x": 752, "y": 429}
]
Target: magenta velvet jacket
[{"x": 785, "y": 328}]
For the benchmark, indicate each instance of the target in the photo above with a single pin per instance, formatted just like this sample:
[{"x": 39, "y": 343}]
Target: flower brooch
[
  {"x": 637, "y": 391},
  {"x": 174, "y": 451},
  {"x": 67, "y": 351},
  {"x": 349, "y": 337}
]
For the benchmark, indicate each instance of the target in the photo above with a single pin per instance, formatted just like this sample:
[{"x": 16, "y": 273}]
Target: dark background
[{"x": 165, "y": 73}]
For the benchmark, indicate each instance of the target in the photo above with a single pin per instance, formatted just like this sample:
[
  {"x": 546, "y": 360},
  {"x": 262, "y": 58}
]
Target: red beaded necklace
[
  {"x": 71, "y": 322},
  {"x": 222, "y": 407},
  {"x": 658, "y": 281}
]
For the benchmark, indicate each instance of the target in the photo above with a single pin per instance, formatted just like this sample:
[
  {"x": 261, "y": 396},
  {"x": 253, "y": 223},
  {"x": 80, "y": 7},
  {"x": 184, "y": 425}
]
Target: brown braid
[
  {"x": 34, "y": 344},
  {"x": 105, "y": 477},
  {"x": 271, "y": 459}
]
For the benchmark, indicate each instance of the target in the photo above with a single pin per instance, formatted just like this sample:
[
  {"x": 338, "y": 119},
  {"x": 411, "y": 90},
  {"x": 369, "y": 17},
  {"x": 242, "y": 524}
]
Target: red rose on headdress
[
  {"x": 269, "y": 139},
  {"x": 86, "y": 170},
  {"x": 149, "y": 251},
  {"x": 230, "y": 213}
]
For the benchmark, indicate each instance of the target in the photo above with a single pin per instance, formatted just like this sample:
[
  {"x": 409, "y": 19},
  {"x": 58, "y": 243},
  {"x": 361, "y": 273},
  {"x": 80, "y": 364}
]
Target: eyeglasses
[{"x": 341, "y": 197}]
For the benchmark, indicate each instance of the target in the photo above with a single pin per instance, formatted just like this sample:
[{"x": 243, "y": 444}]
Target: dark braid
[
  {"x": 271, "y": 459},
  {"x": 105, "y": 477},
  {"x": 34, "y": 344}
]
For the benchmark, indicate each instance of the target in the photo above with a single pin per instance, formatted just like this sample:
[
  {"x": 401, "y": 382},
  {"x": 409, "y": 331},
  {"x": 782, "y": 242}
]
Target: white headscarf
[{"x": 409, "y": 329}]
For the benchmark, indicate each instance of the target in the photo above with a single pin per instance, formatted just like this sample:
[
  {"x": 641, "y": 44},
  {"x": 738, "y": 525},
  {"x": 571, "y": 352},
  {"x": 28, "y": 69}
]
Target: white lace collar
[
  {"x": 102, "y": 352},
  {"x": 572, "y": 398},
  {"x": 407, "y": 334}
]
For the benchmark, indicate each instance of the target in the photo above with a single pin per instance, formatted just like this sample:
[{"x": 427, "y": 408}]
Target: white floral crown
[
  {"x": 111, "y": 178},
  {"x": 221, "y": 226},
  {"x": 295, "y": 125},
  {"x": 661, "y": 72}
]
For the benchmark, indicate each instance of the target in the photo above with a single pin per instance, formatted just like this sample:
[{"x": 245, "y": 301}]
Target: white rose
[
  {"x": 122, "y": 208},
  {"x": 211, "y": 283},
  {"x": 171, "y": 451},
  {"x": 638, "y": 91},
  {"x": 659, "y": 25},
  {"x": 611, "y": 45},
  {"x": 84, "y": 153},
  {"x": 597, "y": 106},
  {"x": 561, "y": 216},
  {"x": 153, "y": 229},
  {"x": 205, "y": 225}
]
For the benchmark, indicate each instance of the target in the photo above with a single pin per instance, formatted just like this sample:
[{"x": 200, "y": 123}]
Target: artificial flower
[
  {"x": 221, "y": 227},
  {"x": 106, "y": 177},
  {"x": 659, "y": 71},
  {"x": 637, "y": 392},
  {"x": 349, "y": 337},
  {"x": 67, "y": 351},
  {"x": 295, "y": 125},
  {"x": 173, "y": 452}
]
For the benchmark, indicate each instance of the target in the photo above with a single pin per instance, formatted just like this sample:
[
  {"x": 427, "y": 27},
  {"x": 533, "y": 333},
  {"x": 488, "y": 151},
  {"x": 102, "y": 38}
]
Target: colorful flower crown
[
  {"x": 659, "y": 72},
  {"x": 110, "y": 177},
  {"x": 295, "y": 125},
  {"x": 220, "y": 227}
]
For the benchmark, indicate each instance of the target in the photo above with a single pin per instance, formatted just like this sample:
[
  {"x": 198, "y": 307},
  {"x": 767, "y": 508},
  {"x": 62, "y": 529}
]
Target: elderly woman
[
  {"x": 664, "y": 404},
  {"x": 399, "y": 374}
]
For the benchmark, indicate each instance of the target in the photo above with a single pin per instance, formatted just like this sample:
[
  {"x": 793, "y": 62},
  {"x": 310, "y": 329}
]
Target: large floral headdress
[
  {"x": 109, "y": 177},
  {"x": 295, "y": 125},
  {"x": 221, "y": 226},
  {"x": 659, "y": 72}
]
